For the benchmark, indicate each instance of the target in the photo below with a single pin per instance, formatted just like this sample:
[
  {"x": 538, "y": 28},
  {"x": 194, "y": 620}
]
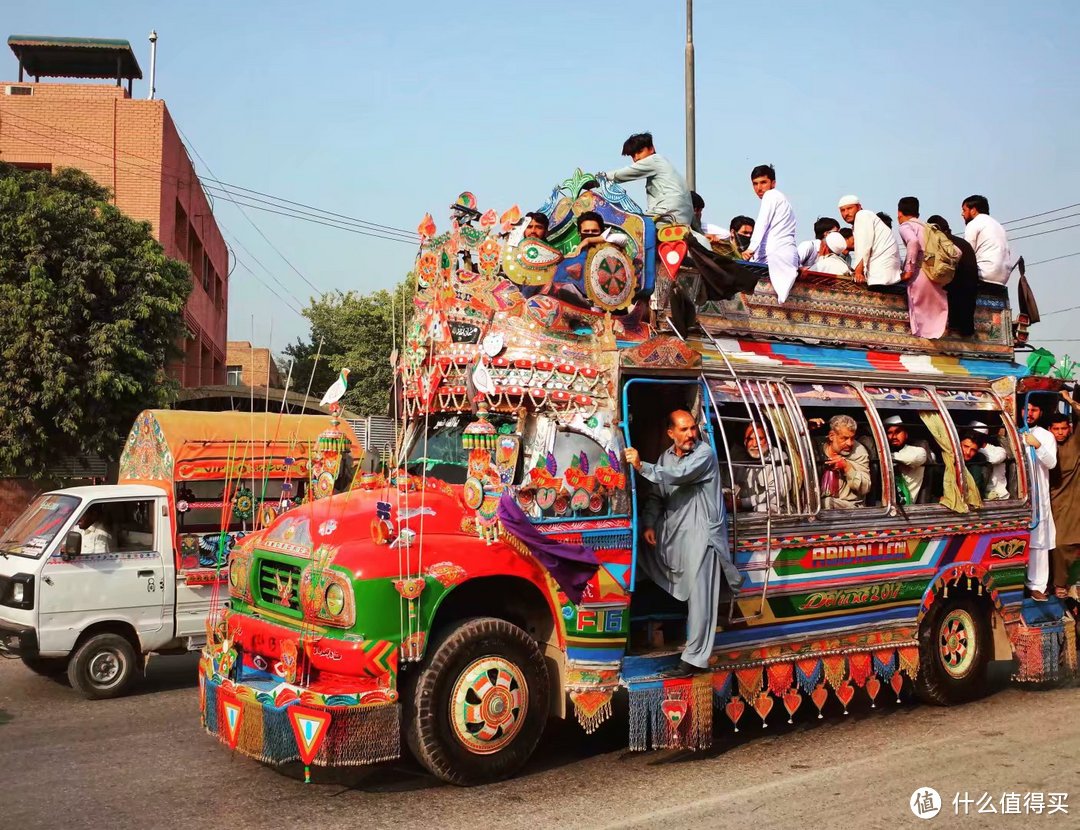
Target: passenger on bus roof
[
  {"x": 536, "y": 225},
  {"x": 761, "y": 473},
  {"x": 988, "y": 238},
  {"x": 834, "y": 261},
  {"x": 963, "y": 291},
  {"x": 876, "y": 257},
  {"x": 740, "y": 232},
  {"x": 773, "y": 242},
  {"x": 928, "y": 304},
  {"x": 594, "y": 231},
  {"x": 975, "y": 441},
  {"x": 668, "y": 195},
  {"x": 812, "y": 250},
  {"x": 686, "y": 525},
  {"x": 909, "y": 459},
  {"x": 845, "y": 480}
]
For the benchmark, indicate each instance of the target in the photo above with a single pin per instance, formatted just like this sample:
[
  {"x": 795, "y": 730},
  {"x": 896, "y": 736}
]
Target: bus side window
[
  {"x": 988, "y": 453},
  {"x": 846, "y": 455}
]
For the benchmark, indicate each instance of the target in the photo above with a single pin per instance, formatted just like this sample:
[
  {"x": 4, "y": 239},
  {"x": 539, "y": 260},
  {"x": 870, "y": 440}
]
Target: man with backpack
[
  {"x": 929, "y": 265},
  {"x": 963, "y": 290}
]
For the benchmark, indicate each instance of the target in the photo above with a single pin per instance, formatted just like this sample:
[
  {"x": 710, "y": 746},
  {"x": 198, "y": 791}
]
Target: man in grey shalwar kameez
[{"x": 686, "y": 524}]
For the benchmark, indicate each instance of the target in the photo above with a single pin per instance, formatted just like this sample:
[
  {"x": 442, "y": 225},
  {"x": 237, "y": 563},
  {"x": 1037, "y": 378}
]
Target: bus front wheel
[
  {"x": 954, "y": 651},
  {"x": 478, "y": 704}
]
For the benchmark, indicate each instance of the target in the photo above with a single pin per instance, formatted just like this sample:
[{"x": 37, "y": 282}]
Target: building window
[
  {"x": 32, "y": 165},
  {"x": 180, "y": 229},
  {"x": 234, "y": 376}
]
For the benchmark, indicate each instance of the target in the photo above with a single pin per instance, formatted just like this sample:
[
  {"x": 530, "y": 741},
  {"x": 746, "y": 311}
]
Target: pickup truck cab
[{"x": 89, "y": 585}]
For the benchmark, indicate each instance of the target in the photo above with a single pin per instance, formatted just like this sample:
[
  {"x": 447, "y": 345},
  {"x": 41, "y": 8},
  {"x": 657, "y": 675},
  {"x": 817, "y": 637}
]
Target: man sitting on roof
[
  {"x": 877, "y": 257},
  {"x": 834, "y": 261},
  {"x": 740, "y": 232},
  {"x": 773, "y": 242},
  {"x": 668, "y": 195},
  {"x": 812, "y": 249}
]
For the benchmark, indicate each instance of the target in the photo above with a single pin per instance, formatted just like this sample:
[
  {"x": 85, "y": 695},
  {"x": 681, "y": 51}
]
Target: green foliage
[
  {"x": 356, "y": 330},
  {"x": 90, "y": 311}
]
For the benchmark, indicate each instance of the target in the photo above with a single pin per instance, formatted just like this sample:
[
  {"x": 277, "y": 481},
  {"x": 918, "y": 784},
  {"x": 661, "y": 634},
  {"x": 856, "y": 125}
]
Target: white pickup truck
[{"x": 89, "y": 585}]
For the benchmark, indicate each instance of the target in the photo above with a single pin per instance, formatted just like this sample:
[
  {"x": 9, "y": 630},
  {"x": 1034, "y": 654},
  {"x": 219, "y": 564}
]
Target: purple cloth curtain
[{"x": 571, "y": 566}]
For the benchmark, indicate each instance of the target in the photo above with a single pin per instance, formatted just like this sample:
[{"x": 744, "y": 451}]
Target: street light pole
[{"x": 691, "y": 150}]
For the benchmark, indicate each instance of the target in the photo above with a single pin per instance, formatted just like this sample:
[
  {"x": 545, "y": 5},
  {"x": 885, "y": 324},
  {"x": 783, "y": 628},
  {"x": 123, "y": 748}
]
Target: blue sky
[{"x": 385, "y": 111}]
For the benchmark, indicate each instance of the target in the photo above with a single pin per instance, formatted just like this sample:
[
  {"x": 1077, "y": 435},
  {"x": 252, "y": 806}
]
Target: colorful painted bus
[{"x": 493, "y": 580}]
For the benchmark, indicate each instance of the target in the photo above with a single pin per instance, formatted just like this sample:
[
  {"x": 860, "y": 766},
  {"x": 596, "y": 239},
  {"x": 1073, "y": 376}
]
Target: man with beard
[
  {"x": 846, "y": 475},
  {"x": 1065, "y": 501},
  {"x": 686, "y": 526},
  {"x": 910, "y": 460},
  {"x": 761, "y": 476},
  {"x": 1042, "y": 451}
]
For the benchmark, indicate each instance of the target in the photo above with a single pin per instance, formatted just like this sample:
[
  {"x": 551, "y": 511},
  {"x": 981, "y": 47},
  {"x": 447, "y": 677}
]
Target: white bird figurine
[{"x": 336, "y": 391}]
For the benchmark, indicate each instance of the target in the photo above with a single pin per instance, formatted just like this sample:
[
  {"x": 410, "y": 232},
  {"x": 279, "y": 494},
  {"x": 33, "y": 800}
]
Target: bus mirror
[{"x": 72, "y": 545}]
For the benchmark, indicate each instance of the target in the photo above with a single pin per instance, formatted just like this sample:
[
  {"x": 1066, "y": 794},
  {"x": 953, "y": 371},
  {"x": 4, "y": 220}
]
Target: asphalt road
[{"x": 143, "y": 762}]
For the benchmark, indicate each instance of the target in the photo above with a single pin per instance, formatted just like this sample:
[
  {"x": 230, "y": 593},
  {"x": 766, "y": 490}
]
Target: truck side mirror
[{"x": 72, "y": 545}]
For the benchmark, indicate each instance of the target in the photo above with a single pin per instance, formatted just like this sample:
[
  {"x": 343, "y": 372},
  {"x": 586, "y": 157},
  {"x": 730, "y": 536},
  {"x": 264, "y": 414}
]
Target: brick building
[
  {"x": 249, "y": 366},
  {"x": 133, "y": 148}
]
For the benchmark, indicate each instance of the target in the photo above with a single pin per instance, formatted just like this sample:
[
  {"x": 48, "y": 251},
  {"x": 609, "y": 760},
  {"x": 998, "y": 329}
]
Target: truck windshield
[
  {"x": 443, "y": 455},
  {"x": 34, "y": 531}
]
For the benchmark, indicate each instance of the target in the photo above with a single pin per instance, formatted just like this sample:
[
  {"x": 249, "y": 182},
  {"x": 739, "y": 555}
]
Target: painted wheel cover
[
  {"x": 609, "y": 278},
  {"x": 488, "y": 705},
  {"x": 956, "y": 642}
]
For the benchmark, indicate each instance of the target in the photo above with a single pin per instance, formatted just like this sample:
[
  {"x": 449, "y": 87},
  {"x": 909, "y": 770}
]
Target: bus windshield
[
  {"x": 442, "y": 455},
  {"x": 34, "y": 531}
]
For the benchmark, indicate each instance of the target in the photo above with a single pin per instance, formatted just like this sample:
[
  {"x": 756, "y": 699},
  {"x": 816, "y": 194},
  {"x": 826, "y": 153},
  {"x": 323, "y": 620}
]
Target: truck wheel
[
  {"x": 478, "y": 704},
  {"x": 954, "y": 652},
  {"x": 102, "y": 667},
  {"x": 46, "y": 666}
]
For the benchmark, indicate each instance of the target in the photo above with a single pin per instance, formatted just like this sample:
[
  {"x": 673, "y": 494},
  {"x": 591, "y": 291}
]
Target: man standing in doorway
[
  {"x": 1065, "y": 500},
  {"x": 686, "y": 525},
  {"x": 1043, "y": 455}
]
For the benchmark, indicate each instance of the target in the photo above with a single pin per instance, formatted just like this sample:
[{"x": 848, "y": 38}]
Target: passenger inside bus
[
  {"x": 845, "y": 479},
  {"x": 762, "y": 473},
  {"x": 985, "y": 460}
]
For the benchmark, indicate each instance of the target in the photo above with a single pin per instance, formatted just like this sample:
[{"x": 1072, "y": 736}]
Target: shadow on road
[{"x": 565, "y": 743}]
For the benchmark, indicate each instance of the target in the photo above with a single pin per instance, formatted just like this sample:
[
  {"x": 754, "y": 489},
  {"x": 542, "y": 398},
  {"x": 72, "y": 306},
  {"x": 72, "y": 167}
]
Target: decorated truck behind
[
  {"x": 93, "y": 580},
  {"x": 492, "y": 579}
]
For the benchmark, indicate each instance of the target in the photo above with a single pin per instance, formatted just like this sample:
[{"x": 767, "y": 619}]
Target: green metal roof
[{"x": 75, "y": 57}]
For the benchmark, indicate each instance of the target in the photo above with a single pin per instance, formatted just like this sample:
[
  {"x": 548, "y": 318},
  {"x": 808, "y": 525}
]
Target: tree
[
  {"x": 357, "y": 331},
  {"x": 90, "y": 311}
]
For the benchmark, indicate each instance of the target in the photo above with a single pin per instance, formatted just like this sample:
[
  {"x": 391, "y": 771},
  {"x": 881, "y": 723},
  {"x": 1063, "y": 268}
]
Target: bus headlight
[{"x": 335, "y": 599}]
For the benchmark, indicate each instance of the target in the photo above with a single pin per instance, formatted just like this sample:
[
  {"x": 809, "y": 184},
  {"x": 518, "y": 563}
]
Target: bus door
[{"x": 770, "y": 478}]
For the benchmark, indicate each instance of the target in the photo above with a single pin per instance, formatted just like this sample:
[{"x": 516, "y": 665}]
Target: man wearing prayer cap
[
  {"x": 833, "y": 261},
  {"x": 909, "y": 460},
  {"x": 876, "y": 257},
  {"x": 975, "y": 441}
]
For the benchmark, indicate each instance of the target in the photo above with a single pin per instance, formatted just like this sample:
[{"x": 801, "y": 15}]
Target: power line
[
  {"x": 1044, "y": 222},
  {"x": 1053, "y": 259},
  {"x": 269, "y": 273},
  {"x": 1043, "y": 233},
  {"x": 1060, "y": 311},
  {"x": 1036, "y": 215},
  {"x": 262, "y": 282}
]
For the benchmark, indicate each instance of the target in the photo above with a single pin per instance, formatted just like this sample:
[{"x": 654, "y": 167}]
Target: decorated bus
[{"x": 493, "y": 577}]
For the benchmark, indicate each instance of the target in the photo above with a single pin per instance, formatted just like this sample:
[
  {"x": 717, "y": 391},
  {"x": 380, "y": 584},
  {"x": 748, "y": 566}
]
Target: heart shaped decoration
[
  {"x": 792, "y": 702},
  {"x": 488, "y": 219},
  {"x": 545, "y": 497},
  {"x": 819, "y": 696},
  {"x": 845, "y": 693},
  {"x": 873, "y": 686},
  {"x": 672, "y": 255},
  {"x": 674, "y": 711},
  {"x": 734, "y": 710},
  {"x": 763, "y": 705},
  {"x": 897, "y": 683}
]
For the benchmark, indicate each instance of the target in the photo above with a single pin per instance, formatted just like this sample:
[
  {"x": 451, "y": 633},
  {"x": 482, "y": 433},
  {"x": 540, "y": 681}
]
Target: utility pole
[{"x": 691, "y": 149}]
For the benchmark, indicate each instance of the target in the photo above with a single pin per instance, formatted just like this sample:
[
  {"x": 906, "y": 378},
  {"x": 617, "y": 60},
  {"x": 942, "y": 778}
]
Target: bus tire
[
  {"x": 478, "y": 705},
  {"x": 102, "y": 667},
  {"x": 955, "y": 646}
]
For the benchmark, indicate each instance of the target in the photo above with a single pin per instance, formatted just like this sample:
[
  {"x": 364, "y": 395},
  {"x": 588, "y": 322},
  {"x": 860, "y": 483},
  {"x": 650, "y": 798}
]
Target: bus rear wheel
[
  {"x": 954, "y": 651},
  {"x": 479, "y": 703}
]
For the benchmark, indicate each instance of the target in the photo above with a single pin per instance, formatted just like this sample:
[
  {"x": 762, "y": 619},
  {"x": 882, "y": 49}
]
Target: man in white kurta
[
  {"x": 773, "y": 242},
  {"x": 986, "y": 235},
  {"x": 686, "y": 524},
  {"x": 876, "y": 257},
  {"x": 1042, "y": 453}
]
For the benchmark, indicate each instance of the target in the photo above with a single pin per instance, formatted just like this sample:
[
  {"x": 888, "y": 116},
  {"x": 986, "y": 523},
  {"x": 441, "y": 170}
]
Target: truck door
[{"x": 118, "y": 574}]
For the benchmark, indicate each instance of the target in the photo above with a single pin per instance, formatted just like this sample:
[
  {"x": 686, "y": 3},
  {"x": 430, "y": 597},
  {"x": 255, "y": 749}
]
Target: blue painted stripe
[{"x": 596, "y": 655}]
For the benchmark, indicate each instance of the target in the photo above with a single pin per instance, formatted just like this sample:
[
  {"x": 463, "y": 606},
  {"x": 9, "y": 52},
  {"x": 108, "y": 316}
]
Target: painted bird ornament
[{"x": 336, "y": 391}]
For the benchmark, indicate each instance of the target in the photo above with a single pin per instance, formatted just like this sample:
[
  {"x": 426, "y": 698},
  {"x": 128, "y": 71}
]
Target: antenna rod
[
  {"x": 691, "y": 142},
  {"x": 153, "y": 62}
]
